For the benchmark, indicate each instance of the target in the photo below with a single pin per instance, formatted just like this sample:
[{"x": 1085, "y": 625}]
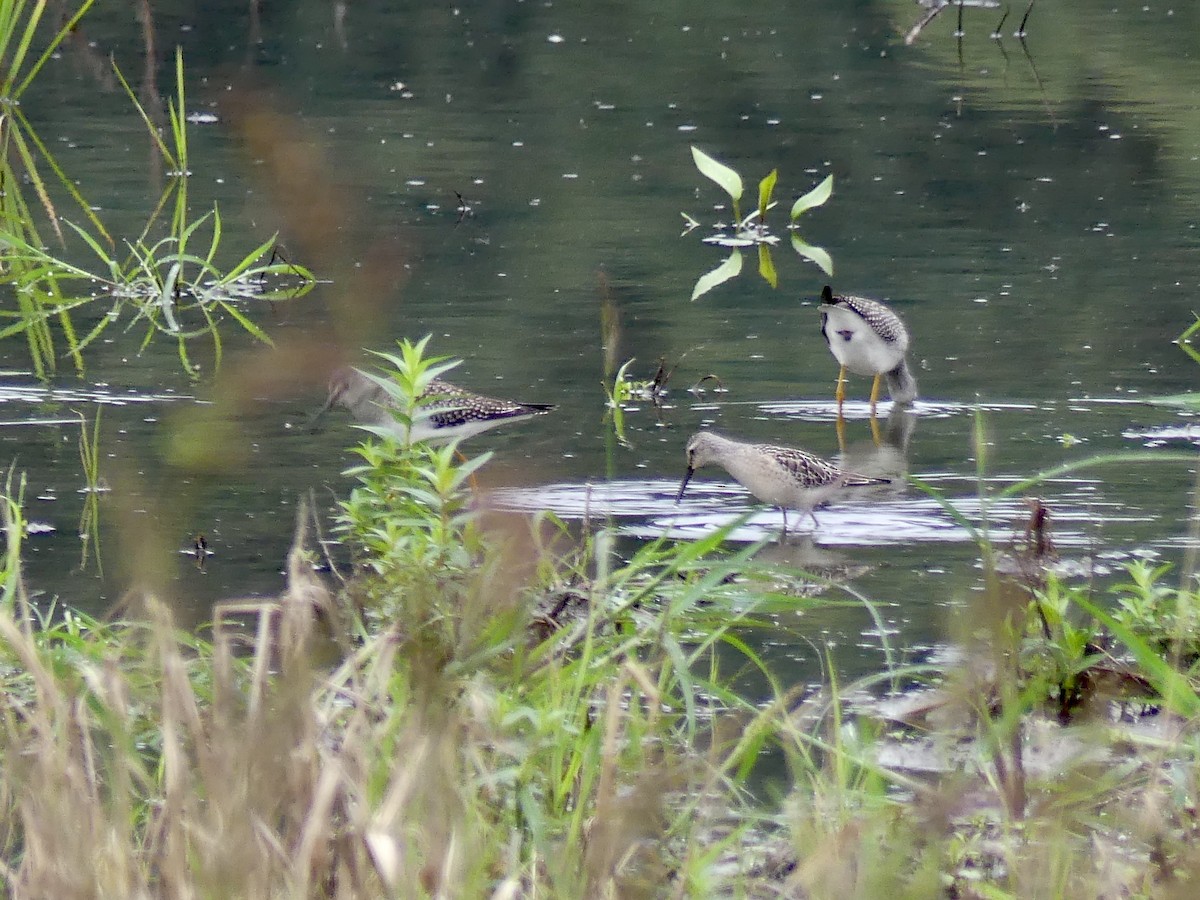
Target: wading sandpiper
[
  {"x": 446, "y": 412},
  {"x": 867, "y": 338},
  {"x": 782, "y": 476}
]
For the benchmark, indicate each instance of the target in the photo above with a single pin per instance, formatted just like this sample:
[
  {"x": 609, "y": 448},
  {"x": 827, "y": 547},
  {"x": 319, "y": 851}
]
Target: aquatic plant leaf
[
  {"x": 249, "y": 259},
  {"x": 67, "y": 183},
  {"x": 250, "y": 327},
  {"x": 114, "y": 269},
  {"x": 766, "y": 187},
  {"x": 816, "y": 254},
  {"x": 620, "y": 392},
  {"x": 1184, "y": 340},
  {"x": 66, "y": 30},
  {"x": 35, "y": 179},
  {"x": 1187, "y": 401},
  {"x": 766, "y": 268},
  {"x": 729, "y": 180},
  {"x": 816, "y": 197},
  {"x": 151, "y": 128},
  {"x": 730, "y": 268}
]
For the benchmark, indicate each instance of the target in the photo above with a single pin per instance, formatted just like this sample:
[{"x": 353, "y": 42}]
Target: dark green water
[{"x": 1033, "y": 218}]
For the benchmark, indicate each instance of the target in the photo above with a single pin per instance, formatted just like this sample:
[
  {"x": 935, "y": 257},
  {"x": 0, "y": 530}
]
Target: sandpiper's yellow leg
[
  {"x": 875, "y": 435},
  {"x": 840, "y": 395},
  {"x": 875, "y": 394}
]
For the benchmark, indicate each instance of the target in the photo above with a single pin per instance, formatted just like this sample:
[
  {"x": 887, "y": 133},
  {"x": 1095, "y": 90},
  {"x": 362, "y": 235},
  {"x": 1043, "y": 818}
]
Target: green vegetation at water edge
[
  {"x": 474, "y": 706},
  {"x": 167, "y": 281}
]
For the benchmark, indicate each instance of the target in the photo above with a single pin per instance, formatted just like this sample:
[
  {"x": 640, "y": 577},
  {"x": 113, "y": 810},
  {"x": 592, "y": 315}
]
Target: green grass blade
[
  {"x": 216, "y": 235},
  {"x": 35, "y": 178},
  {"x": 22, "y": 48},
  {"x": 51, "y": 48},
  {"x": 246, "y": 323},
  {"x": 67, "y": 183},
  {"x": 949, "y": 508},
  {"x": 150, "y": 126},
  {"x": 114, "y": 270},
  {"x": 257, "y": 253},
  {"x": 179, "y": 115}
]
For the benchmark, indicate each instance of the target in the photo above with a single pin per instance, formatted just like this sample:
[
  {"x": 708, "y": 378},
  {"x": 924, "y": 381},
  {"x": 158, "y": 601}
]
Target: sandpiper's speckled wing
[
  {"x": 879, "y": 318},
  {"x": 450, "y": 405},
  {"x": 812, "y": 471}
]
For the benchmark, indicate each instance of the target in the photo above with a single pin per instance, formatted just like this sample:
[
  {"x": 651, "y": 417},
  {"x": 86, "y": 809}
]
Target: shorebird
[
  {"x": 445, "y": 411},
  {"x": 867, "y": 338},
  {"x": 782, "y": 476}
]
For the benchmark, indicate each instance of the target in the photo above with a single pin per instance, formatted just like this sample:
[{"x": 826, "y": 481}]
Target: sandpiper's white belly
[{"x": 856, "y": 345}]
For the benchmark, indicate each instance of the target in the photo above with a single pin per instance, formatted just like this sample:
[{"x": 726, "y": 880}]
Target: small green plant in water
[
  {"x": 171, "y": 286},
  {"x": 24, "y": 158},
  {"x": 89, "y": 519},
  {"x": 752, "y": 230}
]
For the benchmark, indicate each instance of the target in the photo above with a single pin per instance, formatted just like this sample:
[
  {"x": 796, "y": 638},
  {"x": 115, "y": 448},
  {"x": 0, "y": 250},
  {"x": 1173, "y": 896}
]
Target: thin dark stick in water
[
  {"x": 915, "y": 31},
  {"x": 996, "y": 32},
  {"x": 1025, "y": 18}
]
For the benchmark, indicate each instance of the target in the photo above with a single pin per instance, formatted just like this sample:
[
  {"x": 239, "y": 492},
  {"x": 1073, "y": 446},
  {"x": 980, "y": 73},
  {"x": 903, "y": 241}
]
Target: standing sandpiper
[
  {"x": 867, "y": 338},
  {"x": 446, "y": 412},
  {"x": 782, "y": 476}
]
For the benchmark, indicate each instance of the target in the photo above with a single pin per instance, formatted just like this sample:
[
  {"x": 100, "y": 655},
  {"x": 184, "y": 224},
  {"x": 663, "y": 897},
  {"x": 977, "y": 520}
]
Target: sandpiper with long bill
[{"x": 781, "y": 476}]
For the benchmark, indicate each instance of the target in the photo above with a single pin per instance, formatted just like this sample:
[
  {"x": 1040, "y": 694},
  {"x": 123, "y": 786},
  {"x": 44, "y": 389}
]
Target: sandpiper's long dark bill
[
  {"x": 781, "y": 476},
  {"x": 447, "y": 412},
  {"x": 867, "y": 338}
]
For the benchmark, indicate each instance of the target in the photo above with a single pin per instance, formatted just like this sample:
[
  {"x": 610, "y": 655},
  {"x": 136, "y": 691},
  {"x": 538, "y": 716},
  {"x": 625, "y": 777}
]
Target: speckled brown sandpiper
[
  {"x": 782, "y": 476},
  {"x": 446, "y": 411}
]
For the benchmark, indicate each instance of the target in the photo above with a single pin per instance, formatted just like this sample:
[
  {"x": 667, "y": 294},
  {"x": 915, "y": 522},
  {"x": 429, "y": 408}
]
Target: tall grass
[
  {"x": 163, "y": 284},
  {"x": 436, "y": 726},
  {"x": 24, "y": 160}
]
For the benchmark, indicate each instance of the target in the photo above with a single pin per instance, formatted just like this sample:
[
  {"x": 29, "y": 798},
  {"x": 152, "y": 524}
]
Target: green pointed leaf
[
  {"x": 722, "y": 273},
  {"x": 816, "y": 254},
  {"x": 729, "y": 180},
  {"x": 1184, "y": 340},
  {"x": 766, "y": 187},
  {"x": 247, "y": 324},
  {"x": 766, "y": 267},
  {"x": 816, "y": 197}
]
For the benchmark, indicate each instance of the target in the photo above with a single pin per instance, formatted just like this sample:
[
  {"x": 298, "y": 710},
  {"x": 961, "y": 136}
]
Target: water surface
[{"x": 503, "y": 172}]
